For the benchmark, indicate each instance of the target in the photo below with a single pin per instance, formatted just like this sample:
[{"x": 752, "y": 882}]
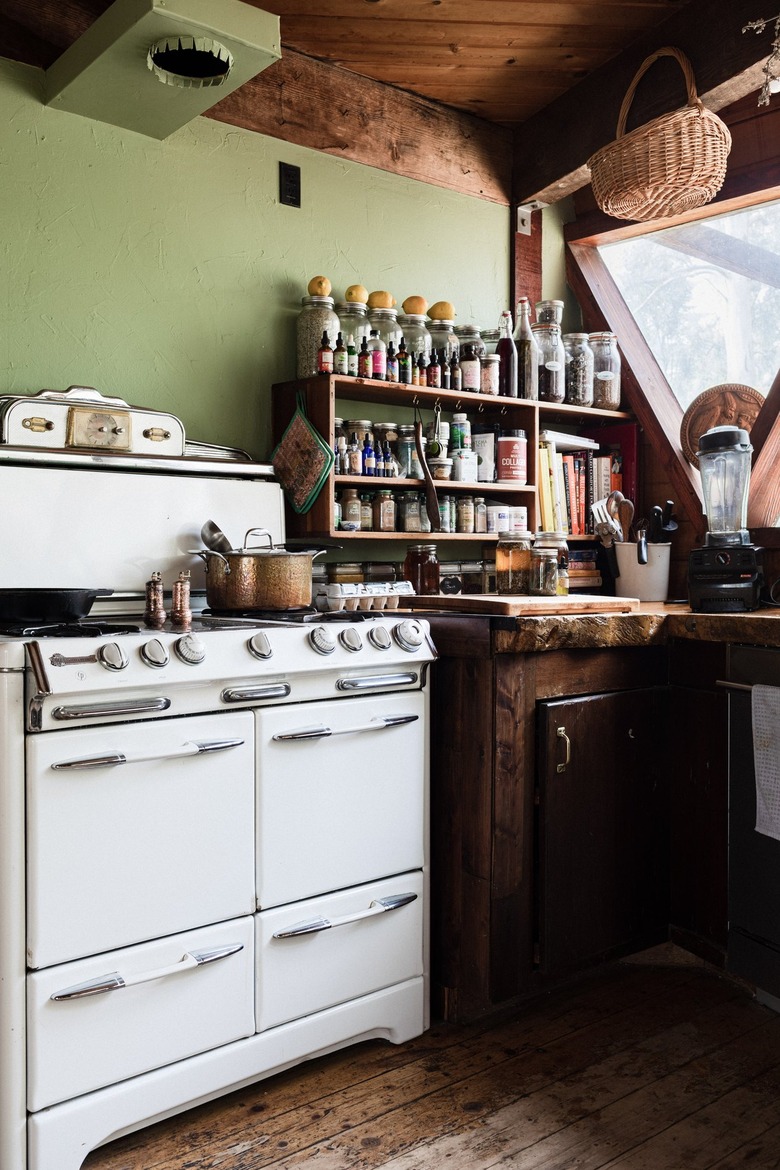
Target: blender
[{"x": 725, "y": 575}]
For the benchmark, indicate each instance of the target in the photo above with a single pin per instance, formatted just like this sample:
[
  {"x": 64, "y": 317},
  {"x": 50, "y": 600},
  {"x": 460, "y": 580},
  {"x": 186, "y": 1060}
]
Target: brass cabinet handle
[{"x": 561, "y": 734}]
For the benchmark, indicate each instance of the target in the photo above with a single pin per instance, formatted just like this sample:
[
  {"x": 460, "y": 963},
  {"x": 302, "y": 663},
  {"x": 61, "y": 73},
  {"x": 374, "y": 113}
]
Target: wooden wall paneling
[
  {"x": 526, "y": 278},
  {"x": 646, "y": 391},
  {"x": 512, "y": 926},
  {"x": 309, "y": 103},
  {"x": 461, "y": 827}
]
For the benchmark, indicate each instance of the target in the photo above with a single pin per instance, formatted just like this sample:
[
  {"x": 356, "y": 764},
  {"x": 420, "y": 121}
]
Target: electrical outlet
[{"x": 289, "y": 185}]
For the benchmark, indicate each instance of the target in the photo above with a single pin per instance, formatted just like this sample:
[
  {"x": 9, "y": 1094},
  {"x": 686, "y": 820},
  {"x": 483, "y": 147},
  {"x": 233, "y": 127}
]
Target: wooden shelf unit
[{"x": 321, "y": 394}]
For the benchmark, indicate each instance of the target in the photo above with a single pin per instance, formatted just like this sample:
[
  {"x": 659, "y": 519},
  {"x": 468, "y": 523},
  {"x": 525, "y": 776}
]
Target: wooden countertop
[{"x": 652, "y": 624}]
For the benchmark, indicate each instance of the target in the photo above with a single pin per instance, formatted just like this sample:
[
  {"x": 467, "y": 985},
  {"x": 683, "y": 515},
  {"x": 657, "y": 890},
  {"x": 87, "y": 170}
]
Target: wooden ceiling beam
[{"x": 550, "y": 160}]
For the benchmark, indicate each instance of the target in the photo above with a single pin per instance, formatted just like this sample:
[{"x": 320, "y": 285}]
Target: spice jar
[
  {"x": 606, "y": 367},
  {"x": 480, "y": 514},
  {"x": 350, "y": 510},
  {"x": 557, "y": 541},
  {"x": 384, "y": 511},
  {"x": 544, "y": 572},
  {"x": 513, "y": 562},
  {"x": 579, "y": 369},
  {"x": 421, "y": 567},
  {"x": 552, "y": 360},
  {"x": 464, "y": 514},
  {"x": 409, "y": 512},
  {"x": 315, "y": 318},
  {"x": 488, "y": 373}
]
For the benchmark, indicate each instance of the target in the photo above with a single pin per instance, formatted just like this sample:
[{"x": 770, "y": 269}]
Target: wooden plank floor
[{"x": 654, "y": 1065}]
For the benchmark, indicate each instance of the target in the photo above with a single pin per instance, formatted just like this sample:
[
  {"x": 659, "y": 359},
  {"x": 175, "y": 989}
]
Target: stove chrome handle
[
  {"x": 378, "y": 724},
  {"x": 119, "y": 707},
  {"x": 378, "y": 906},
  {"x": 368, "y": 681},
  {"x": 246, "y": 694},
  {"x": 114, "y": 758},
  {"x": 114, "y": 981}
]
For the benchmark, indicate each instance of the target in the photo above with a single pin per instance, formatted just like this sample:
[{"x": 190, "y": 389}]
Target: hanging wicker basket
[{"x": 673, "y": 164}]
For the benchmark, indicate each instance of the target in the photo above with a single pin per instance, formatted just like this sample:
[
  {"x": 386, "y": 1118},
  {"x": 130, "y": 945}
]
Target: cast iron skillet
[{"x": 41, "y": 606}]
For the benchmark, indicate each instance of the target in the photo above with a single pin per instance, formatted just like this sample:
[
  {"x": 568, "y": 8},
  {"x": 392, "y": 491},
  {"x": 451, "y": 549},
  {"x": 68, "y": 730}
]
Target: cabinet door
[{"x": 602, "y": 836}]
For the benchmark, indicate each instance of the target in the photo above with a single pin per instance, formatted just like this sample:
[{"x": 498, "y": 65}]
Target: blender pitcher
[{"x": 724, "y": 462}]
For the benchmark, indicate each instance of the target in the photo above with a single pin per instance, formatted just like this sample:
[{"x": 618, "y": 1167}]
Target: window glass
[{"x": 706, "y": 297}]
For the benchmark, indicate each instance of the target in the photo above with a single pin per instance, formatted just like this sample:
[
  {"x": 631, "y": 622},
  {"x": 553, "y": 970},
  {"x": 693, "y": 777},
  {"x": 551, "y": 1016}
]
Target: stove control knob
[
  {"x": 154, "y": 653},
  {"x": 350, "y": 639},
  {"x": 190, "y": 649},
  {"x": 322, "y": 640},
  {"x": 111, "y": 656},
  {"x": 379, "y": 637},
  {"x": 409, "y": 635},
  {"x": 259, "y": 646}
]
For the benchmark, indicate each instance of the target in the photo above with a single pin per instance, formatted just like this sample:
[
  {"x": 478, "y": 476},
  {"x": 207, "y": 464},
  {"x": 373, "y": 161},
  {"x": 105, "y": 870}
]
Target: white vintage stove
[{"x": 213, "y": 842}]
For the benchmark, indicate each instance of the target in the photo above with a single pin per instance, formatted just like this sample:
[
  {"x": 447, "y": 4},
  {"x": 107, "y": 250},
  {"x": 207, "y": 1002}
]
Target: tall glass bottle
[
  {"x": 527, "y": 353},
  {"x": 507, "y": 357}
]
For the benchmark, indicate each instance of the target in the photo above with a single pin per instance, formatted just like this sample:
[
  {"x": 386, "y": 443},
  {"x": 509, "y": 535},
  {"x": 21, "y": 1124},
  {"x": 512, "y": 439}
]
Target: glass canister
[
  {"x": 470, "y": 335},
  {"x": 549, "y": 312},
  {"x": 552, "y": 362},
  {"x": 405, "y": 449},
  {"x": 489, "y": 373},
  {"x": 409, "y": 512},
  {"x": 443, "y": 336},
  {"x": 606, "y": 367},
  {"x": 579, "y": 369},
  {"x": 316, "y": 317},
  {"x": 416, "y": 335},
  {"x": 385, "y": 321},
  {"x": 557, "y": 542},
  {"x": 421, "y": 567},
  {"x": 354, "y": 321},
  {"x": 513, "y": 562},
  {"x": 544, "y": 572}
]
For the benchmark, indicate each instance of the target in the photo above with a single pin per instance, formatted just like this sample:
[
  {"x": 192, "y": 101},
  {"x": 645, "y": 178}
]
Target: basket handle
[{"x": 690, "y": 82}]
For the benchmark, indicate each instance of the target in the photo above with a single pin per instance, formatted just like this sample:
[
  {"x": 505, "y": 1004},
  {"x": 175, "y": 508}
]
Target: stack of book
[
  {"x": 576, "y": 470},
  {"x": 583, "y": 572}
]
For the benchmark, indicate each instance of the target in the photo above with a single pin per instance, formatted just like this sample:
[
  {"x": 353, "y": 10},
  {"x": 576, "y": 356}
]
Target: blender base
[{"x": 725, "y": 579}]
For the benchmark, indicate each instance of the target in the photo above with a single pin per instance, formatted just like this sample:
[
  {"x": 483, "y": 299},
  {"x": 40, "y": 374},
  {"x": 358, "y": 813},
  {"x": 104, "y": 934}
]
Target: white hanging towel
[{"x": 766, "y": 757}]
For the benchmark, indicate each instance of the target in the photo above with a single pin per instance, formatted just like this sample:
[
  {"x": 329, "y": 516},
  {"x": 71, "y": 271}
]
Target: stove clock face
[{"x": 98, "y": 429}]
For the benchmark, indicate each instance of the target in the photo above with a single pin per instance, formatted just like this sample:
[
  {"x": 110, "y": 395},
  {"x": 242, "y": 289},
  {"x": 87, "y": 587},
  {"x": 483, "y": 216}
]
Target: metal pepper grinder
[
  {"x": 154, "y": 614},
  {"x": 181, "y": 614}
]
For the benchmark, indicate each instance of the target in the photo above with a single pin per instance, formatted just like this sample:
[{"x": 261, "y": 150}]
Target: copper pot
[{"x": 259, "y": 578}]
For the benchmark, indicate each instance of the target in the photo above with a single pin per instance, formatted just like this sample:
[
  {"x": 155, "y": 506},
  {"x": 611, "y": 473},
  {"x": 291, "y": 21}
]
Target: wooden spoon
[{"x": 626, "y": 517}]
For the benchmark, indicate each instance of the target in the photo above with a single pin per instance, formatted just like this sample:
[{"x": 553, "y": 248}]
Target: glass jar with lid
[
  {"x": 415, "y": 334},
  {"x": 385, "y": 321},
  {"x": 353, "y": 319},
  {"x": 444, "y": 337},
  {"x": 470, "y": 335},
  {"x": 549, "y": 312},
  {"x": 544, "y": 572},
  {"x": 579, "y": 369},
  {"x": 606, "y": 367},
  {"x": 552, "y": 362},
  {"x": 513, "y": 562},
  {"x": 421, "y": 567},
  {"x": 384, "y": 511},
  {"x": 317, "y": 316},
  {"x": 557, "y": 541}
]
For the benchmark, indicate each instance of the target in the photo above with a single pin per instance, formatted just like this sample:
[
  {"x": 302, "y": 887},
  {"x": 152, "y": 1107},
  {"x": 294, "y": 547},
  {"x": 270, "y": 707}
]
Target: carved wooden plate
[{"x": 727, "y": 405}]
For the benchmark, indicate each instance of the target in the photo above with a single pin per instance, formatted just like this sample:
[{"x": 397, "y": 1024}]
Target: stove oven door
[
  {"x": 136, "y": 831},
  {"x": 341, "y": 794}
]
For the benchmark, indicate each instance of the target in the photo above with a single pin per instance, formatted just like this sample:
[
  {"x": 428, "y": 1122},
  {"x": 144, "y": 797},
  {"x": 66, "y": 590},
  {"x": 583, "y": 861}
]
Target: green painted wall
[{"x": 168, "y": 274}]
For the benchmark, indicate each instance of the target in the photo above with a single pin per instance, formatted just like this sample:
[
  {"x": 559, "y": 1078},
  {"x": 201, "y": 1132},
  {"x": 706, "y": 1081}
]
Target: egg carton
[{"x": 382, "y": 595}]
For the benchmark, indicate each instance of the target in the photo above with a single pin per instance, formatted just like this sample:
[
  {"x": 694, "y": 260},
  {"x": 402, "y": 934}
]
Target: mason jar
[
  {"x": 544, "y": 572},
  {"x": 415, "y": 334},
  {"x": 443, "y": 337},
  {"x": 353, "y": 319},
  {"x": 470, "y": 335},
  {"x": 557, "y": 541},
  {"x": 421, "y": 567},
  {"x": 606, "y": 367},
  {"x": 552, "y": 362},
  {"x": 579, "y": 369},
  {"x": 513, "y": 562},
  {"x": 549, "y": 312},
  {"x": 385, "y": 321},
  {"x": 316, "y": 317}
]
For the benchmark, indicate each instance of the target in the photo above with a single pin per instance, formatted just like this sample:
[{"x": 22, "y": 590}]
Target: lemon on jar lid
[
  {"x": 442, "y": 311},
  {"x": 356, "y": 293},
  {"x": 415, "y": 306},
  {"x": 381, "y": 299},
  {"x": 319, "y": 286}
]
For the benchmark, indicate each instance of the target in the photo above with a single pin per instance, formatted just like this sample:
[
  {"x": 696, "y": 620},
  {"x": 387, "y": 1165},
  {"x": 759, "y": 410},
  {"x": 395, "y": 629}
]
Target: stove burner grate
[
  {"x": 289, "y": 616},
  {"x": 67, "y": 629}
]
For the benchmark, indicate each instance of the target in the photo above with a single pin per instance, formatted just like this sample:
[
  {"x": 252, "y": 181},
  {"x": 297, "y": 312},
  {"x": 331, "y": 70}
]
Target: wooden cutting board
[{"x": 518, "y": 606}]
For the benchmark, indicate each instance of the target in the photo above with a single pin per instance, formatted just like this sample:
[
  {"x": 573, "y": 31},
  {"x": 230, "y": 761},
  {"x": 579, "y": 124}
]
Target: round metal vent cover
[{"x": 190, "y": 62}]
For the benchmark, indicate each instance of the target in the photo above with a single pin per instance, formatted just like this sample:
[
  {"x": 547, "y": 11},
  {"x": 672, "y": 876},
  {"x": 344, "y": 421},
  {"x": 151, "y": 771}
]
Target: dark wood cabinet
[{"x": 602, "y": 883}]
